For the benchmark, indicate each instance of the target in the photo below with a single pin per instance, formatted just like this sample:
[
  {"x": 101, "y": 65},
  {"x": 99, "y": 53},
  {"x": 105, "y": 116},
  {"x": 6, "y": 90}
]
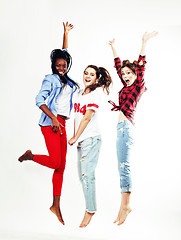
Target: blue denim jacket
[{"x": 51, "y": 88}]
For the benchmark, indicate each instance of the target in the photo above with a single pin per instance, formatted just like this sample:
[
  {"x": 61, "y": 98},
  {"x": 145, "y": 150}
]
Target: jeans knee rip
[
  {"x": 129, "y": 143},
  {"x": 121, "y": 129},
  {"x": 84, "y": 180},
  {"x": 82, "y": 158},
  {"x": 124, "y": 164}
]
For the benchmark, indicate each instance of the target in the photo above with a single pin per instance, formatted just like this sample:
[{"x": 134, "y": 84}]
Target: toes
[
  {"x": 61, "y": 221},
  {"x": 81, "y": 225},
  {"x": 117, "y": 220},
  {"x": 121, "y": 222},
  {"x": 58, "y": 214}
]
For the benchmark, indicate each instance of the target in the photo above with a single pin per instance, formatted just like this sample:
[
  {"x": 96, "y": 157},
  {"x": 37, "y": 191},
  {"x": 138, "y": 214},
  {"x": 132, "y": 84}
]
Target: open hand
[
  {"x": 147, "y": 36},
  {"x": 112, "y": 42},
  {"x": 67, "y": 27}
]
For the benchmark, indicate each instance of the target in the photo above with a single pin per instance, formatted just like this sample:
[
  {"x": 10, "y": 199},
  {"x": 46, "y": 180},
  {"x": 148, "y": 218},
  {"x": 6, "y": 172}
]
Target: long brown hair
[{"x": 103, "y": 76}]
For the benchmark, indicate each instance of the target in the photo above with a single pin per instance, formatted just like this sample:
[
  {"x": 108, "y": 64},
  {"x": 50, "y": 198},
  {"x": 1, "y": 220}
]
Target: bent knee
[
  {"x": 57, "y": 163},
  {"x": 60, "y": 168}
]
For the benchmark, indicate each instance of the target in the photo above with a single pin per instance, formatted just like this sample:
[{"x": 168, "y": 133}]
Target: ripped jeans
[
  {"x": 88, "y": 154},
  {"x": 125, "y": 142}
]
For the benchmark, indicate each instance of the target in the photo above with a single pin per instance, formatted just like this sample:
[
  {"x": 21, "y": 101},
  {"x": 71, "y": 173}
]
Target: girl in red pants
[{"x": 58, "y": 89}]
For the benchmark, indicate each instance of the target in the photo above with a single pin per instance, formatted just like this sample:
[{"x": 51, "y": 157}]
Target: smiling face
[
  {"x": 89, "y": 76},
  {"x": 61, "y": 66},
  {"x": 128, "y": 76}
]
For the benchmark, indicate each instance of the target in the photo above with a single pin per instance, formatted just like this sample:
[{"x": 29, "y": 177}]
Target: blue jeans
[
  {"x": 88, "y": 153},
  {"x": 125, "y": 142}
]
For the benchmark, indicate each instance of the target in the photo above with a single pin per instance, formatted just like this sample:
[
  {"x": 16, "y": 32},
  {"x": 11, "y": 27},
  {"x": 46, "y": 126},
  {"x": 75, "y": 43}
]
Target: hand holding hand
[{"x": 67, "y": 27}]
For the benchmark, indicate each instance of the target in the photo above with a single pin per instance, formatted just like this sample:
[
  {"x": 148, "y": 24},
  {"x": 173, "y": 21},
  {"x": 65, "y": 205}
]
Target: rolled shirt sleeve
[
  {"x": 44, "y": 92},
  {"x": 94, "y": 101}
]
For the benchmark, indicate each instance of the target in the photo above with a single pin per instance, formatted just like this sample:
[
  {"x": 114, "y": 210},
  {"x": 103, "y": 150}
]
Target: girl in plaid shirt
[{"x": 131, "y": 75}]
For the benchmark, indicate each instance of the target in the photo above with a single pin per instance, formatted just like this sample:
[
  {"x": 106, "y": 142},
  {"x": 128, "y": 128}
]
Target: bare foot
[
  {"x": 57, "y": 212},
  {"x": 122, "y": 215},
  {"x": 86, "y": 220},
  {"x": 26, "y": 156}
]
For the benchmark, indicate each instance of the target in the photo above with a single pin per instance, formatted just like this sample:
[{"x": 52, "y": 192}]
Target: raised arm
[
  {"x": 117, "y": 60},
  {"x": 67, "y": 28},
  {"x": 145, "y": 38},
  {"x": 112, "y": 44}
]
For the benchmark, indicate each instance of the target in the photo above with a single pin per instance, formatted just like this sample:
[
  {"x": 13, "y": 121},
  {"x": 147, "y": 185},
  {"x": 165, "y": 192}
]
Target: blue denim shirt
[{"x": 51, "y": 88}]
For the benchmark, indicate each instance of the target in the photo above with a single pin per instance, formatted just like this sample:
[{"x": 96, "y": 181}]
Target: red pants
[{"x": 57, "y": 148}]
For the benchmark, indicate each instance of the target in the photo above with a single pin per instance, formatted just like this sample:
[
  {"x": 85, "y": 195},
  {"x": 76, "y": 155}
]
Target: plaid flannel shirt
[{"x": 129, "y": 96}]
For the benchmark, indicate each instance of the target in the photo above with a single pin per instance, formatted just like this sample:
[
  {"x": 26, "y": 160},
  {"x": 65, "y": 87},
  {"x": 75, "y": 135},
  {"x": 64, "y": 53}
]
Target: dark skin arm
[
  {"x": 55, "y": 123},
  {"x": 67, "y": 27}
]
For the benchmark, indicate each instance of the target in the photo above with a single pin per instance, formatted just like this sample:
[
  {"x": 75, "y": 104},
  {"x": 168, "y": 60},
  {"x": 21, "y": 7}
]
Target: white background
[{"x": 29, "y": 31}]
